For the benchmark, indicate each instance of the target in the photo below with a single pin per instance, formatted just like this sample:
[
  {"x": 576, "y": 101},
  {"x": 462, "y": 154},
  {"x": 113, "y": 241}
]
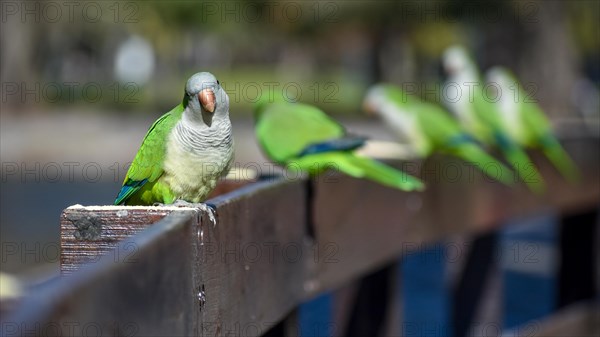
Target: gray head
[
  {"x": 205, "y": 100},
  {"x": 456, "y": 59},
  {"x": 503, "y": 81},
  {"x": 500, "y": 76},
  {"x": 374, "y": 100}
]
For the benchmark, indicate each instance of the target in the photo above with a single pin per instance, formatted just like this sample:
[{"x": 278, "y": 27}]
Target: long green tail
[
  {"x": 525, "y": 168},
  {"x": 358, "y": 167},
  {"x": 519, "y": 160},
  {"x": 560, "y": 158},
  {"x": 487, "y": 164}
]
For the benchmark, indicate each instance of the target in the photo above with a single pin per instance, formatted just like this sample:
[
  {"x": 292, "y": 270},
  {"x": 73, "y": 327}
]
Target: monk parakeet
[
  {"x": 302, "y": 137},
  {"x": 185, "y": 151},
  {"x": 525, "y": 122},
  {"x": 463, "y": 95},
  {"x": 428, "y": 128}
]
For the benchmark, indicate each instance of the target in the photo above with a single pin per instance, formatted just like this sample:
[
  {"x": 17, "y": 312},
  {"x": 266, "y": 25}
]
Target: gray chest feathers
[{"x": 196, "y": 158}]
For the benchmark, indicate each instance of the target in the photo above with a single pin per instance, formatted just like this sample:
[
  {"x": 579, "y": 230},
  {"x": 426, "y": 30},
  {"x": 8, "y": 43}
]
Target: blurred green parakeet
[
  {"x": 463, "y": 95},
  {"x": 427, "y": 128},
  {"x": 185, "y": 151},
  {"x": 526, "y": 123},
  {"x": 302, "y": 137}
]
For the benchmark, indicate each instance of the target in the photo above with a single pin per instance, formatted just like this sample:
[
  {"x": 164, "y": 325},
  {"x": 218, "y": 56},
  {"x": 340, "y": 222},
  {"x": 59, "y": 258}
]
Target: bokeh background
[{"x": 82, "y": 81}]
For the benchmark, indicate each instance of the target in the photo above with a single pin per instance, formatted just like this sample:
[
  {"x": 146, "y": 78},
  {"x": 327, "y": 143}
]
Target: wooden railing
[{"x": 166, "y": 271}]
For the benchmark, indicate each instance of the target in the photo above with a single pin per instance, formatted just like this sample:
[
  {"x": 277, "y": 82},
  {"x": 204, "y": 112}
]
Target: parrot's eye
[{"x": 219, "y": 83}]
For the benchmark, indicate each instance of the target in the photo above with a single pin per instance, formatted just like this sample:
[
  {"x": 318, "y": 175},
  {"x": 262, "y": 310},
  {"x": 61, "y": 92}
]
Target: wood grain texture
[
  {"x": 256, "y": 250},
  {"x": 149, "y": 294},
  {"x": 251, "y": 264},
  {"x": 87, "y": 233}
]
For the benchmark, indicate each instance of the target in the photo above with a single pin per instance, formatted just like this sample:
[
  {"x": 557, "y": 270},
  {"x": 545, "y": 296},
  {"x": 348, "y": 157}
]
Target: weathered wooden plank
[
  {"x": 360, "y": 225},
  {"x": 90, "y": 232},
  {"x": 257, "y": 249},
  {"x": 229, "y": 185},
  {"x": 251, "y": 264},
  {"x": 150, "y": 293},
  {"x": 87, "y": 233}
]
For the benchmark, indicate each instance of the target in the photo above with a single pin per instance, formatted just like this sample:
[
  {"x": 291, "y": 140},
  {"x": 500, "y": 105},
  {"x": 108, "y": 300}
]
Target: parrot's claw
[
  {"x": 209, "y": 209},
  {"x": 183, "y": 203}
]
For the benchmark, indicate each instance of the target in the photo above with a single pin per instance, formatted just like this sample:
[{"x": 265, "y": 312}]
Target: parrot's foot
[{"x": 209, "y": 209}]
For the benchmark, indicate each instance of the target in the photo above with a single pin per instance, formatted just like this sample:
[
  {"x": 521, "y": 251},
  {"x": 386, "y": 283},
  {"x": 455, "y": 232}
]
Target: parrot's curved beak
[
  {"x": 207, "y": 100},
  {"x": 369, "y": 108},
  {"x": 447, "y": 68},
  {"x": 450, "y": 67}
]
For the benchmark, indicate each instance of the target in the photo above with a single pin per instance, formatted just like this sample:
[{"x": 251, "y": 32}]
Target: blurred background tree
[{"x": 348, "y": 44}]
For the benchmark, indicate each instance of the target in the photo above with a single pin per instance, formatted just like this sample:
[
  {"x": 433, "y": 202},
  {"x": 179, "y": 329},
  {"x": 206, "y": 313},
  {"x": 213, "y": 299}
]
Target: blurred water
[
  {"x": 530, "y": 263},
  {"x": 425, "y": 293},
  {"x": 29, "y": 220}
]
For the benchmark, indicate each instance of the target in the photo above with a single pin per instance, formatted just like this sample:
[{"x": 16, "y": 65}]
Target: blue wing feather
[
  {"x": 337, "y": 144},
  {"x": 460, "y": 139},
  {"x": 503, "y": 141},
  {"x": 129, "y": 189}
]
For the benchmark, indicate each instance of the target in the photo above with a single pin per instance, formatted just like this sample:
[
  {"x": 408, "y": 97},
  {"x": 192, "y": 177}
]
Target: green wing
[
  {"x": 147, "y": 166},
  {"x": 450, "y": 138},
  {"x": 486, "y": 110},
  {"x": 439, "y": 127},
  {"x": 489, "y": 113},
  {"x": 358, "y": 167},
  {"x": 539, "y": 134},
  {"x": 286, "y": 129},
  {"x": 399, "y": 96}
]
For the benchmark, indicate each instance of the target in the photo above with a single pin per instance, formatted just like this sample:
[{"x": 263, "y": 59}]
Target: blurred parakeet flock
[
  {"x": 481, "y": 117},
  {"x": 189, "y": 148},
  {"x": 302, "y": 137},
  {"x": 427, "y": 128},
  {"x": 185, "y": 151},
  {"x": 526, "y": 123}
]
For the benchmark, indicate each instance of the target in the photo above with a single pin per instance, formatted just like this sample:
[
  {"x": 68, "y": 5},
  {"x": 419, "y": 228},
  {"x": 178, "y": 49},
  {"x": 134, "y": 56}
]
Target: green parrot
[
  {"x": 463, "y": 95},
  {"x": 526, "y": 123},
  {"x": 427, "y": 128},
  {"x": 185, "y": 151},
  {"x": 302, "y": 137}
]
